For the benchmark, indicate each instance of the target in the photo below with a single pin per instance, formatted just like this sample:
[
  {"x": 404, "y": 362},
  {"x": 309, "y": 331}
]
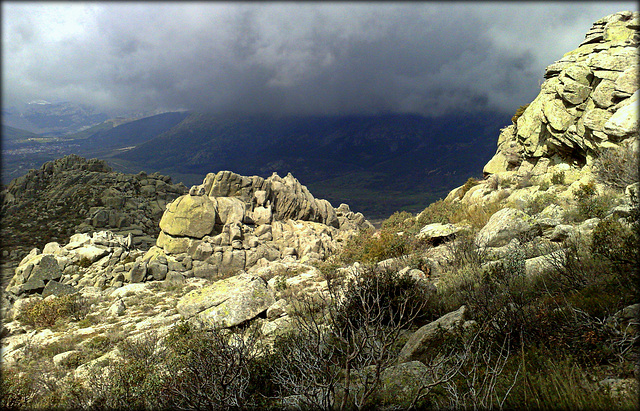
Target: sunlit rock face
[
  {"x": 588, "y": 103},
  {"x": 230, "y": 223}
]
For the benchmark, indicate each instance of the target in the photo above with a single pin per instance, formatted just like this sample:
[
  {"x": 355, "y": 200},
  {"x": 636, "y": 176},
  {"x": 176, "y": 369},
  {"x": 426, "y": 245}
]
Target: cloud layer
[{"x": 282, "y": 58}]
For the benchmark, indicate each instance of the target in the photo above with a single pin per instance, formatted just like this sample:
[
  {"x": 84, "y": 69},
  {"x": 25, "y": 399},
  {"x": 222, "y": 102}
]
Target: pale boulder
[
  {"x": 503, "y": 226},
  {"x": 228, "y": 302},
  {"x": 189, "y": 216}
]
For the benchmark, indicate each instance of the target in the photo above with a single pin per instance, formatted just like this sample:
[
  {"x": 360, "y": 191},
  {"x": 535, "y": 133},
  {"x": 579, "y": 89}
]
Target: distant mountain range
[
  {"x": 377, "y": 164},
  {"x": 52, "y": 119}
]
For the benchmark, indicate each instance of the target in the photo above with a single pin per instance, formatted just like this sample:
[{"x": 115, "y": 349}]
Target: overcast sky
[{"x": 428, "y": 58}]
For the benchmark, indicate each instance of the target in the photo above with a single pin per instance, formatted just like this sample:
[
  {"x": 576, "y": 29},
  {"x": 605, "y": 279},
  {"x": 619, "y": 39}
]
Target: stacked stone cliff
[
  {"x": 231, "y": 222},
  {"x": 588, "y": 103}
]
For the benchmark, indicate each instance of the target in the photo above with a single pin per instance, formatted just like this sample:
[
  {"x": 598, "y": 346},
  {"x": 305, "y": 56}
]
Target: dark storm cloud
[{"x": 426, "y": 58}]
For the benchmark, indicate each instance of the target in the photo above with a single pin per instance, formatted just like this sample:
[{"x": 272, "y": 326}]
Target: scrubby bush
[
  {"x": 445, "y": 212},
  {"x": 399, "y": 221},
  {"x": 47, "y": 312},
  {"x": 617, "y": 167},
  {"x": 589, "y": 204},
  {"x": 471, "y": 182},
  {"x": 519, "y": 113},
  {"x": 357, "y": 335},
  {"x": 558, "y": 177},
  {"x": 395, "y": 238},
  {"x": 539, "y": 202},
  {"x": 438, "y": 212}
]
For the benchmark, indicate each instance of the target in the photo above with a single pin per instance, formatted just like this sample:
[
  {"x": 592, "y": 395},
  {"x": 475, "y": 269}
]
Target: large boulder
[
  {"x": 228, "y": 302},
  {"x": 502, "y": 227},
  {"x": 419, "y": 344},
  {"x": 189, "y": 216}
]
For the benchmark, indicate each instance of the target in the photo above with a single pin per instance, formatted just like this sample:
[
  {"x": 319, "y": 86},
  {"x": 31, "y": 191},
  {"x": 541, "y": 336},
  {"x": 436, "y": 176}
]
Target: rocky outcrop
[
  {"x": 100, "y": 259},
  {"x": 580, "y": 130},
  {"x": 231, "y": 223},
  {"x": 73, "y": 194},
  {"x": 588, "y": 103}
]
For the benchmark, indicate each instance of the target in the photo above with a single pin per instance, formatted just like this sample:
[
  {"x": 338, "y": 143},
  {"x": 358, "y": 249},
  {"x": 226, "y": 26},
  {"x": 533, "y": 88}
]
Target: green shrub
[
  {"x": 539, "y": 202},
  {"x": 519, "y": 113},
  {"x": 589, "y": 204},
  {"x": 471, "y": 182},
  {"x": 399, "y": 221},
  {"x": 558, "y": 177},
  {"x": 544, "y": 186},
  {"x": 45, "y": 313},
  {"x": 438, "y": 212},
  {"x": 373, "y": 247},
  {"x": 617, "y": 167},
  {"x": 84, "y": 262},
  {"x": 615, "y": 242}
]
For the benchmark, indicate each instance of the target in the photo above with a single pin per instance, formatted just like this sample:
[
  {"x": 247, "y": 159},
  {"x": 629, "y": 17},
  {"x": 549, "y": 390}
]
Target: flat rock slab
[
  {"x": 438, "y": 231},
  {"x": 228, "y": 302},
  {"x": 92, "y": 252}
]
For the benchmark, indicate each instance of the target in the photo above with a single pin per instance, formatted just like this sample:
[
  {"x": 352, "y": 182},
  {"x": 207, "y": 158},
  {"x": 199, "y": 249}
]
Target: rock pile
[
  {"x": 231, "y": 223},
  {"x": 100, "y": 260}
]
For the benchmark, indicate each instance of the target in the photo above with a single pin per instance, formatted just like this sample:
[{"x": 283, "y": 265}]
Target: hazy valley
[{"x": 377, "y": 164}]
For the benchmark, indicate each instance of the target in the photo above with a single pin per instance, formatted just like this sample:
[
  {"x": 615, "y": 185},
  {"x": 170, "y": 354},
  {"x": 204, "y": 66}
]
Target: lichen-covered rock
[
  {"x": 189, "y": 216},
  {"x": 438, "y": 232},
  {"x": 228, "y": 302},
  {"x": 587, "y": 103},
  {"x": 417, "y": 347},
  {"x": 503, "y": 226}
]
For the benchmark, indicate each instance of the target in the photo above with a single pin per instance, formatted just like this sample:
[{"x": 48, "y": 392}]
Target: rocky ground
[{"x": 543, "y": 248}]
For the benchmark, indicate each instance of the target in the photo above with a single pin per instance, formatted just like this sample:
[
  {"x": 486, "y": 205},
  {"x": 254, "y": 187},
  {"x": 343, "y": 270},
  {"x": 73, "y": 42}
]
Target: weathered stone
[
  {"x": 56, "y": 288},
  {"x": 173, "y": 245},
  {"x": 418, "y": 345},
  {"x": 437, "y": 233},
  {"x": 205, "y": 270},
  {"x": 595, "y": 119},
  {"x": 117, "y": 309},
  {"x": 544, "y": 264},
  {"x": 45, "y": 269},
  {"x": 91, "y": 253},
  {"x": 603, "y": 95},
  {"x": 503, "y": 226},
  {"x": 137, "y": 273},
  {"x": 189, "y": 216},
  {"x": 157, "y": 270},
  {"x": 627, "y": 82},
  {"x": 618, "y": 59},
  {"x": 203, "y": 251},
  {"x": 233, "y": 261},
  {"x": 557, "y": 115},
  {"x": 624, "y": 121},
  {"x": 228, "y": 302},
  {"x": 579, "y": 72},
  {"x": 231, "y": 210},
  {"x": 574, "y": 92}
]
